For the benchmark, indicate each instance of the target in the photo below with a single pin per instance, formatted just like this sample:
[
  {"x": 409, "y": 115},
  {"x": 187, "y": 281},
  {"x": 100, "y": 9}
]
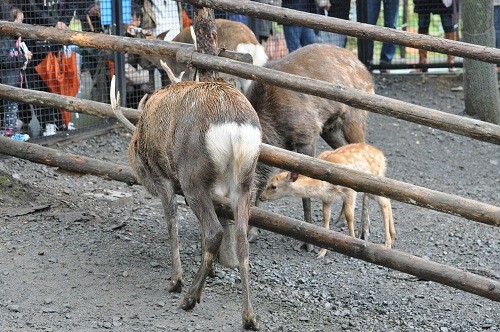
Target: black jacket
[
  {"x": 431, "y": 7},
  {"x": 11, "y": 61}
]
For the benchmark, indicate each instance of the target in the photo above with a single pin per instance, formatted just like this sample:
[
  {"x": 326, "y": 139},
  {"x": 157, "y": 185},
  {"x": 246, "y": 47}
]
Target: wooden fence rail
[
  {"x": 456, "y": 124},
  {"x": 369, "y": 252},
  {"x": 360, "y": 30},
  {"x": 406, "y": 111},
  {"x": 397, "y": 190}
]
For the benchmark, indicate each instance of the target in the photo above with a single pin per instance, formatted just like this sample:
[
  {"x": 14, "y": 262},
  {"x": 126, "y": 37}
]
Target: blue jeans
[
  {"x": 391, "y": 8},
  {"x": 297, "y": 36},
  {"x": 496, "y": 18}
]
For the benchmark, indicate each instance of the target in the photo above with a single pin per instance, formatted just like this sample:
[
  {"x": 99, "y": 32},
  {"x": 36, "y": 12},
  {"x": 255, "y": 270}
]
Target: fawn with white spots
[
  {"x": 361, "y": 157},
  {"x": 204, "y": 138}
]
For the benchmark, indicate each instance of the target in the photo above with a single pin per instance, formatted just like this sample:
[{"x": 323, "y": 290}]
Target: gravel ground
[{"x": 71, "y": 259}]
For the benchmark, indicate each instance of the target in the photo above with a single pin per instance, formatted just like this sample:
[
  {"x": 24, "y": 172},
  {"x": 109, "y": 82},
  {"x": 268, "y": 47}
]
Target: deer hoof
[
  {"x": 252, "y": 238},
  {"x": 189, "y": 303},
  {"x": 175, "y": 286},
  {"x": 321, "y": 253},
  {"x": 309, "y": 247},
  {"x": 251, "y": 323}
]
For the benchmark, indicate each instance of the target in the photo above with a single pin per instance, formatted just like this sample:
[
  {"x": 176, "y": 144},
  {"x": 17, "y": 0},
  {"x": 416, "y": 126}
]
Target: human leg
[
  {"x": 292, "y": 37},
  {"x": 496, "y": 19},
  {"x": 373, "y": 13},
  {"x": 307, "y": 36},
  {"x": 10, "y": 110},
  {"x": 391, "y": 8},
  {"x": 424, "y": 20},
  {"x": 449, "y": 33}
]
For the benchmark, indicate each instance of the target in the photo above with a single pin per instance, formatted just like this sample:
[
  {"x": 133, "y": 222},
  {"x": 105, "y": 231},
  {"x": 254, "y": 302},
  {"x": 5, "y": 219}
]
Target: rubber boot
[{"x": 451, "y": 58}]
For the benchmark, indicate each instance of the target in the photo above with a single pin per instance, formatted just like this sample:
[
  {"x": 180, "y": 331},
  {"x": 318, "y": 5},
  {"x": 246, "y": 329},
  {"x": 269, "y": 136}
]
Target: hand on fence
[{"x": 61, "y": 25}]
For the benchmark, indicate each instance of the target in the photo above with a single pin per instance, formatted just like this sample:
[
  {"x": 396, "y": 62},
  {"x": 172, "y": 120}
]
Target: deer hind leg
[
  {"x": 262, "y": 175},
  {"x": 349, "y": 199},
  {"x": 365, "y": 218},
  {"x": 309, "y": 150},
  {"x": 253, "y": 232},
  {"x": 333, "y": 137},
  {"x": 326, "y": 224},
  {"x": 199, "y": 199},
  {"x": 389, "y": 229},
  {"x": 241, "y": 207},
  {"x": 166, "y": 191}
]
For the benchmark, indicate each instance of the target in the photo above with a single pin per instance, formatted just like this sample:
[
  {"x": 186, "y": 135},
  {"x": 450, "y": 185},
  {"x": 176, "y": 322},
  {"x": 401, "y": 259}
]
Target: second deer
[
  {"x": 361, "y": 157},
  {"x": 293, "y": 120}
]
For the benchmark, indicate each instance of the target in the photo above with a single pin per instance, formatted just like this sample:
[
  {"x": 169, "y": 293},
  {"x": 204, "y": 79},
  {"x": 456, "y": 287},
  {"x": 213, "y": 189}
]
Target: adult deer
[
  {"x": 204, "y": 138},
  {"x": 294, "y": 120},
  {"x": 231, "y": 35}
]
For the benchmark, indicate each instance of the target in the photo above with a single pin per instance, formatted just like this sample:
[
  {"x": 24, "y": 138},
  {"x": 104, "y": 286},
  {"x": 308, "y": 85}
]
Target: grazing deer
[
  {"x": 361, "y": 157},
  {"x": 294, "y": 120},
  {"x": 202, "y": 137},
  {"x": 231, "y": 35}
]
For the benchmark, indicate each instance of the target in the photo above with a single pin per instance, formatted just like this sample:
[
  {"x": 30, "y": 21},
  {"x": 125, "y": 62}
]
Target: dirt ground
[{"x": 79, "y": 253}]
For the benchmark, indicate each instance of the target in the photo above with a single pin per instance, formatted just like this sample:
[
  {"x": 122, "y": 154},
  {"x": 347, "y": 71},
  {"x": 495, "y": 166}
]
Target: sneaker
[
  {"x": 8, "y": 132},
  {"x": 21, "y": 137},
  {"x": 71, "y": 126}
]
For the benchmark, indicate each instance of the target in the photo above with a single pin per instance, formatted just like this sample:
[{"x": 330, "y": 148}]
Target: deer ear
[
  {"x": 162, "y": 35},
  {"x": 292, "y": 177}
]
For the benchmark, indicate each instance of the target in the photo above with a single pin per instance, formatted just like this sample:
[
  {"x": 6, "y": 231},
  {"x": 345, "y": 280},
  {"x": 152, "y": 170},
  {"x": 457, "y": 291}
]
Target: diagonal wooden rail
[
  {"x": 400, "y": 191},
  {"x": 406, "y": 111},
  {"x": 369, "y": 252},
  {"x": 360, "y": 30},
  {"x": 456, "y": 124}
]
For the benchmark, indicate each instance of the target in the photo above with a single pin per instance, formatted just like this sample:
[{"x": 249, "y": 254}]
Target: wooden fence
[{"x": 276, "y": 157}]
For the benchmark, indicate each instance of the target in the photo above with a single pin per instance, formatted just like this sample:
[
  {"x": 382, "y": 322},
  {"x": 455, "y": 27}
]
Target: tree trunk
[
  {"x": 206, "y": 42},
  {"x": 480, "y": 79}
]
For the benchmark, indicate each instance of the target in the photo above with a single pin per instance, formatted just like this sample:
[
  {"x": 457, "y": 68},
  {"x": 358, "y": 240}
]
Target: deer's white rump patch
[{"x": 234, "y": 144}]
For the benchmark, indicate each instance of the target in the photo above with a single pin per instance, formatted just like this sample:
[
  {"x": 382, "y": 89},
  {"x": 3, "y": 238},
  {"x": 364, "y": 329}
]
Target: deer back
[
  {"x": 298, "y": 118},
  {"x": 360, "y": 156}
]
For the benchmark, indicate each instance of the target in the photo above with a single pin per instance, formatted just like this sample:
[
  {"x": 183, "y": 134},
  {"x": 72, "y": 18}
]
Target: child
[{"x": 12, "y": 63}]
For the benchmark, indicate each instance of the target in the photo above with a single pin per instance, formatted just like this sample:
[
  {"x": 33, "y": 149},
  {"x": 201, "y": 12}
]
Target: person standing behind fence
[
  {"x": 263, "y": 28},
  {"x": 445, "y": 9},
  {"x": 391, "y": 10},
  {"x": 297, "y": 36},
  {"x": 12, "y": 63},
  {"x": 54, "y": 13},
  {"x": 338, "y": 9},
  {"x": 137, "y": 78},
  {"x": 496, "y": 19}
]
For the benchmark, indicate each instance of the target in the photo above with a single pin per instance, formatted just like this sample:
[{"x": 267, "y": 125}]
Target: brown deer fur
[
  {"x": 294, "y": 120},
  {"x": 204, "y": 138}
]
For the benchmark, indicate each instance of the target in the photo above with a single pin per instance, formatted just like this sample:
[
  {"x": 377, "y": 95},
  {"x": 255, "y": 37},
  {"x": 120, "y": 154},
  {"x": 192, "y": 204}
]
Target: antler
[{"x": 115, "y": 106}]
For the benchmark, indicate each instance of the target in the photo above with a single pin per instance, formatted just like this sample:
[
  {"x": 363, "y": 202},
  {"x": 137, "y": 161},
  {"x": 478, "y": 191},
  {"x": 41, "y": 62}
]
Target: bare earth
[{"x": 71, "y": 260}]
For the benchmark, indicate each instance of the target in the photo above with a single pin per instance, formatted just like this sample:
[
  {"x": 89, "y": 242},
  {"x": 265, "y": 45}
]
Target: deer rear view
[
  {"x": 361, "y": 157},
  {"x": 203, "y": 137}
]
